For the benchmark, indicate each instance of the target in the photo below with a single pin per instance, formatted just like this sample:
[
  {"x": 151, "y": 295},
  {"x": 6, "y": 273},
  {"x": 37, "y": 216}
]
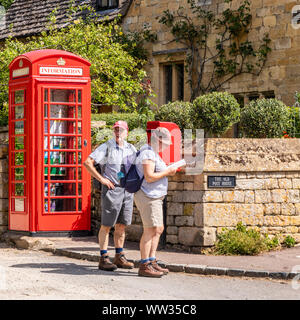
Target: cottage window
[
  {"x": 173, "y": 82},
  {"x": 203, "y": 2},
  {"x": 107, "y": 4}
]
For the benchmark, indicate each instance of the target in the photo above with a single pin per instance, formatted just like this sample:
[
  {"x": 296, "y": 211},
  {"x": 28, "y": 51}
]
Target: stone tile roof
[{"x": 30, "y": 17}]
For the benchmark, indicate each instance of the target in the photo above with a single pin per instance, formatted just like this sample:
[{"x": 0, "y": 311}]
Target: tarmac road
[{"x": 27, "y": 274}]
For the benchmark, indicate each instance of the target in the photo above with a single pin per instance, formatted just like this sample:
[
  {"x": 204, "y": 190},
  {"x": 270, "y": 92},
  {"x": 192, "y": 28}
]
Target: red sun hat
[{"x": 121, "y": 124}]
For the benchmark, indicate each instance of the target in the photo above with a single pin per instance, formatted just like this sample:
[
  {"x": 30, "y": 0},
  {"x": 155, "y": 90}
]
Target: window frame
[
  {"x": 173, "y": 80},
  {"x": 100, "y": 7}
]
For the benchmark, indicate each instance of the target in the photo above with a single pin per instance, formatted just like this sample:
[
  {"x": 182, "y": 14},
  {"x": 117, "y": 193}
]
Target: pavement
[{"x": 281, "y": 264}]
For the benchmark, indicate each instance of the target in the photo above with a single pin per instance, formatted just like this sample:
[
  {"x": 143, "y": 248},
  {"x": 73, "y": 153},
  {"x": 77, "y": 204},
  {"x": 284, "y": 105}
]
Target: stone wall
[
  {"x": 3, "y": 179},
  {"x": 267, "y": 193},
  {"x": 281, "y": 72}
]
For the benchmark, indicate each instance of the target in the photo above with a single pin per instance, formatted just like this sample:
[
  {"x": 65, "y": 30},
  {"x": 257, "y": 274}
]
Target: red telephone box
[
  {"x": 173, "y": 153},
  {"x": 49, "y": 135}
]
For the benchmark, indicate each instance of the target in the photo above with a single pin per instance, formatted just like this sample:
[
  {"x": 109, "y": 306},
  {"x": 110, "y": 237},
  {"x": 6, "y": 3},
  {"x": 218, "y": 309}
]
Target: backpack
[{"x": 131, "y": 180}]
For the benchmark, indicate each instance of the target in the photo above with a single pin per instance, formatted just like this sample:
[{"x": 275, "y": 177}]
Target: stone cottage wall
[
  {"x": 267, "y": 193},
  {"x": 281, "y": 73}
]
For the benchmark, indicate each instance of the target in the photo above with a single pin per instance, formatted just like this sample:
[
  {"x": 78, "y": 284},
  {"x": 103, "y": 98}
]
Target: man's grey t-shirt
[
  {"x": 158, "y": 188},
  {"x": 115, "y": 157}
]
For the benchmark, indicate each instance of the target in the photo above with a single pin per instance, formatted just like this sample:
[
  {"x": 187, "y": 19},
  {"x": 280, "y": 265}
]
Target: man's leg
[
  {"x": 103, "y": 237},
  {"x": 104, "y": 261},
  {"x": 119, "y": 238},
  {"x": 124, "y": 219},
  {"x": 119, "y": 235},
  {"x": 109, "y": 214}
]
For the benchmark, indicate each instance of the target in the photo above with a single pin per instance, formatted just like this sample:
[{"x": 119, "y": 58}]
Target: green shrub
[
  {"x": 178, "y": 112},
  {"x": 265, "y": 118},
  {"x": 293, "y": 128},
  {"x": 216, "y": 112},
  {"x": 134, "y": 119},
  {"x": 243, "y": 241},
  {"x": 4, "y": 115},
  {"x": 289, "y": 241},
  {"x": 137, "y": 124}
]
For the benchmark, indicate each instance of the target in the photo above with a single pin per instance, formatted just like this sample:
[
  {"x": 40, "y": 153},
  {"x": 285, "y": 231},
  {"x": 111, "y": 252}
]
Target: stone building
[{"x": 278, "y": 79}]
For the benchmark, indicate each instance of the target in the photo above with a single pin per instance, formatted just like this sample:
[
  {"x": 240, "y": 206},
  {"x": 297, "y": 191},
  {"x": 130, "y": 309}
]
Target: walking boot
[
  {"x": 105, "y": 264},
  {"x": 146, "y": 270},
  {"x": 121, "y": 262},
  {"x": 155, "y": 266}
]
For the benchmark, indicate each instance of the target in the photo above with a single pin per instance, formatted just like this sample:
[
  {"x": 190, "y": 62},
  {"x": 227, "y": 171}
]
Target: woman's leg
[
  {"x": 155, "y": 240},
  {"x": 146, "y": 242}
]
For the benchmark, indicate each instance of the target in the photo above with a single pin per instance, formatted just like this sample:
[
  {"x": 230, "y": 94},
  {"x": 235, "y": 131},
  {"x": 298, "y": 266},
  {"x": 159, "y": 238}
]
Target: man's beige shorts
[{"x": 151, "y": 210}]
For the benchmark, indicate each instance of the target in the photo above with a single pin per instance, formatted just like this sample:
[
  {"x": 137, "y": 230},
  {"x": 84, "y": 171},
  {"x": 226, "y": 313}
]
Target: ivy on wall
[{"x": 232, "y": 53}]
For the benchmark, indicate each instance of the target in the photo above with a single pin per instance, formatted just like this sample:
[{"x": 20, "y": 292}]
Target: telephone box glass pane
[
  {"x": 46, "y": 207},
  {"x": 45, "y": 95},
  {"x": 19, "y": 112},
  {"x": 45, "y": 142},
  {"x": 57, "y": 205},
  {"x": 62, "y": 189},
  {"x": 62, "y": 157},
  {"x": 79, "y": 174},
  {"x": 19, "y": 173},
  {"x": 79, "y": 112},
  {"x": 62, "y": 173},
  {"x": 79, "y": 142},
  {"x": 79, "y": 96},
  {"x": 19, "y": 143},
  {"x": 79, "y": 204},
  {"x": 19, "y": 205},
  {"x": 79, "y": 157},
  {"x": 79, "y": 127},
  {"x": 62, "y": 111},
  {"x": 62, "y": 127},
  {"x": 19, "y": 189},
  {"x": 19, "y": 127},
  {"x": 79, "y": 189},
  {"x": 45, "y": 126},
  {"x": 62, "y": 95},
  {"x": 19, "y": 96},
  {"x": 19, "y": 159},
  {"x": 58, "y": 142},
  {"x": 46, "y": 111}
]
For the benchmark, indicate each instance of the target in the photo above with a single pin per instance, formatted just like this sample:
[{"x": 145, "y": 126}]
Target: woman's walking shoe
[
  {"x": 121, "y": 262},
  {"x": 158, "y": 268},
  {"x": 146, "y": 270},
  {"x": 105, "y": 264}
]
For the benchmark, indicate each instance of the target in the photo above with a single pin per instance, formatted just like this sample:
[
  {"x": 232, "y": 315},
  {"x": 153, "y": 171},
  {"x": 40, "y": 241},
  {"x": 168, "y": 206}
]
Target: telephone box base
[{"x": 76, "y": 233}]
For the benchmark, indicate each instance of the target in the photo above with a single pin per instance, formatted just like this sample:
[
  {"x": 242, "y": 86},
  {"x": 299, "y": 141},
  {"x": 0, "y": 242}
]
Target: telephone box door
[{"x": 64, "y": 143}]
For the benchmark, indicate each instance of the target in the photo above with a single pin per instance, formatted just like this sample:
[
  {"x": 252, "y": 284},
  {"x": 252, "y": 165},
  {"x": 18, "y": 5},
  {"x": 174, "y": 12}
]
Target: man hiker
[{"x": 116, "y": 202}]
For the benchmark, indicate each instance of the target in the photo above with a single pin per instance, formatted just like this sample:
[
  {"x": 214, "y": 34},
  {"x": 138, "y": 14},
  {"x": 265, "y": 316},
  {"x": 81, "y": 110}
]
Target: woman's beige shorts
[{"x": 151, "y": 210}]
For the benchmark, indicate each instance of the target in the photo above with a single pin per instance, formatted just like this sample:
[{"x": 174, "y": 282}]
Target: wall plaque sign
[{"x": 221, "y": 181}]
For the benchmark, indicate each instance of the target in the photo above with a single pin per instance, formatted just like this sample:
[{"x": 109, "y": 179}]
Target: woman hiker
[{"x": 149, "y": 199}]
